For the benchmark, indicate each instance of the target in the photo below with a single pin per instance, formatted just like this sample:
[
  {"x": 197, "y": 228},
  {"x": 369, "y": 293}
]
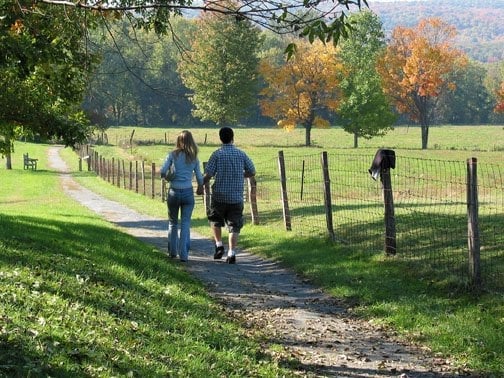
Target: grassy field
[
  {"x": 434, "y": 313},
  {"x": 72, "y": 306}
]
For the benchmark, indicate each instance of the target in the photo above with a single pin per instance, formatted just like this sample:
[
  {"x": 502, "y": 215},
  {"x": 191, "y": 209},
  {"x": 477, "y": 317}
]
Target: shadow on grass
[{"x": 110, "y": 276}]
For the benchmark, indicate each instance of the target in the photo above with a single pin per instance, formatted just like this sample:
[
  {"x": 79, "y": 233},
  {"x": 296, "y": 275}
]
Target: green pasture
[{"x": 437, "y": 313}]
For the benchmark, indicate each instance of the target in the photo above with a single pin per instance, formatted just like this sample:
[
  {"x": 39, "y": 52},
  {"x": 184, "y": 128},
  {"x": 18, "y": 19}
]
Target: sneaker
[
  {"x": 219, "y": 252},
  {"x": 231, "y": 259}
]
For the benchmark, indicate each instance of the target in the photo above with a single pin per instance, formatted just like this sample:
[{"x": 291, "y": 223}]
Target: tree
[
  {"x": 415, "y": 69},
  {"x": 470, "y": 102},
  {"x": 44, "y": 66},
  {"x": 137, "y": 80},
  {"x": 221, "y": 68},
  {"x": 299, "y": 89},
  {"x": 364, "y": 109}
]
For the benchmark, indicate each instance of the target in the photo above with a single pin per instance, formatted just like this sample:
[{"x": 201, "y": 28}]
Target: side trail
[{"x": 313, "y": 327}]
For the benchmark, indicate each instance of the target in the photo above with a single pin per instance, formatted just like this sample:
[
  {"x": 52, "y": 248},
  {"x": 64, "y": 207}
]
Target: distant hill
[{"x": 480, "y": 24}]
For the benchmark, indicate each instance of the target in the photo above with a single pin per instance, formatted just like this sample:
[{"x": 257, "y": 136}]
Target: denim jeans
[{"x": 183, "y": 200}]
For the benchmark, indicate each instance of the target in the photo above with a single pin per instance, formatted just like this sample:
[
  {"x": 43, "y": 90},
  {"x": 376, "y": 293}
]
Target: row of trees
[
  {"x": 160, "y": 69},
  {"x": 46, "y": 57},
  {"x": 211, "y": 75}
]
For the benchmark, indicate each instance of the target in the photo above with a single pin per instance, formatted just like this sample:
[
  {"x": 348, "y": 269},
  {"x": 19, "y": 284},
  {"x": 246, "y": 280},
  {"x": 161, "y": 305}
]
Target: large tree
[
  {"x": 301, "y": 88},
  {"x": 364, "y": 109},
  {"x": 44, "y": 64},
  {"x": 415, "y": 69},
  {"x": 221, "y": 68}
]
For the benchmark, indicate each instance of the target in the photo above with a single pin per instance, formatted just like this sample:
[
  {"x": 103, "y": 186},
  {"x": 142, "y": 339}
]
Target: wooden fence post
[
  {"x": 327, "y": 196},
  {"x": 143, "y": 177},
  {"x": 388, "y": 200},
  {"x": 252, "y": 194},
  {"x": 112, "y": 166},
  {"x": 473, "y": 238},
  {"x": 118, "y": 173},
  {"x": 136, "y": 176},
  {"x": 124, "y": 175},
  {"x": 153, "y": 180},
  {"x": 283, "y": 183}
]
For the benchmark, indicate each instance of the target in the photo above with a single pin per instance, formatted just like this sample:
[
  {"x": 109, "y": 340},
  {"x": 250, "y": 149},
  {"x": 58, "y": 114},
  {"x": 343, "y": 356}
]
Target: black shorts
[{"x": 229, "y": 214}]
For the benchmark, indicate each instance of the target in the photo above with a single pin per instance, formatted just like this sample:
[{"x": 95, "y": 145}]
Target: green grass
[
  {"x": 78, "y": 297},
  {"x": 437, "y": 312}
]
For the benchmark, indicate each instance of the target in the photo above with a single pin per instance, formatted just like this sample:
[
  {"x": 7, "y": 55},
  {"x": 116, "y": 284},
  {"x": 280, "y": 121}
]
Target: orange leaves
[
  {"x": 305, "y": 82},
  {"x": 17, "y": 27},
  {"x": 417, "y": 63},
  {"x": 499, "y": 108}
]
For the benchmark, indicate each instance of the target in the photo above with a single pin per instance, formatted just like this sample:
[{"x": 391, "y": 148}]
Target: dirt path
[{"x": 312, "y": 326}]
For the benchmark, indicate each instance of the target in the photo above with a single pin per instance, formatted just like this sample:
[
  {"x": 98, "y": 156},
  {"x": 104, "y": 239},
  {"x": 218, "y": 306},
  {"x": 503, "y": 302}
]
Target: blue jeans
[{"x": 183, "y": 200}]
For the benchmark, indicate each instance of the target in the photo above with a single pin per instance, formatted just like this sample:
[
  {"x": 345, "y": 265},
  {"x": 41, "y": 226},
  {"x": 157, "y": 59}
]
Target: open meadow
[{"x": 435, "y": 311}]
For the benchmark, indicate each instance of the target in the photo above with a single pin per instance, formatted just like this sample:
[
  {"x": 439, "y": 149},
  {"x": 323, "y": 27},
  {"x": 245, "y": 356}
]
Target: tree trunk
[
  {"x": 425, "y": 135},
  {"x": 355, "y": 140},
  {"x": 8, "y": 153},
  {"x": 308, "y": 135},
  {"x": 8, "y": 160}
]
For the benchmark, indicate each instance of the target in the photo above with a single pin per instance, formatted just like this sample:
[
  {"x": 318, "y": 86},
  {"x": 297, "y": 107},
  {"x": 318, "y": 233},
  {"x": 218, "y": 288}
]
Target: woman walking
[{"x": 178, "y": 169}]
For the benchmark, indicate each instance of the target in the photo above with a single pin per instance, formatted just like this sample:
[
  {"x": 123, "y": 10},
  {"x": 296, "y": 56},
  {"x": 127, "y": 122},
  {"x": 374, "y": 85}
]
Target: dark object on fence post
[
  {"x": 383, "y": 161},
  {"x": 283, "y": 182},
  {"x": 80, "y": 164},
  {"x": 473, "y": 238},
  {"x": 252, "y": 194},
  {"x": 153, "y": 180},
  {"x": 327, "y": 196}
]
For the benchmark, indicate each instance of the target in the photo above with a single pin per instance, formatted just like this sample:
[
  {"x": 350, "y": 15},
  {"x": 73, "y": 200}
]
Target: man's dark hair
[{"x": 226, "y": 135}]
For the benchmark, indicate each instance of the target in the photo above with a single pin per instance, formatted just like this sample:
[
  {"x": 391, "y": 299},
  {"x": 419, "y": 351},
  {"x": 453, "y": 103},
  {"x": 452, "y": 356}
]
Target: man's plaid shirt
[{"x": 227, "y": 166}]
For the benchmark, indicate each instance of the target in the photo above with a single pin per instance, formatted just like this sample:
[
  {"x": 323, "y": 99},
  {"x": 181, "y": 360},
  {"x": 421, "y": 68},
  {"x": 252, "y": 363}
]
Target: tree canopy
[
  {"x": 416, "y": 66},
  {"x": 44, "y": 65},
  {"x": 364, "y": 109},
  {"x": 221, "y": 68},
  {"x": 298, "y": 90}
]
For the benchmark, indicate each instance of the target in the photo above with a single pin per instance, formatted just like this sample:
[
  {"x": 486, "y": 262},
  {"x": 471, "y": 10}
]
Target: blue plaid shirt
[{"x": 228, "y": 165}]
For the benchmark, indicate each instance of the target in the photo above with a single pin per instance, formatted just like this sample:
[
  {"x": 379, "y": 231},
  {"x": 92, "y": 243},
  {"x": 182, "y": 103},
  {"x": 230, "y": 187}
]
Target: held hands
[{"x": 199, "y": 190}]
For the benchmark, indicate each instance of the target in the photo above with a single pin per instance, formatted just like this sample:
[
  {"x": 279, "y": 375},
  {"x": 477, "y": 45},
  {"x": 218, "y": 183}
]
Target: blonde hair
[{"x": 187, "y": 145}]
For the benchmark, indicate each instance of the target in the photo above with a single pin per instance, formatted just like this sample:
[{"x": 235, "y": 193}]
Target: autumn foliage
[
  {"x": 300, "y": 86},
  {"x": 415, "y": 68},
  {"x": 499, "y": 108}
]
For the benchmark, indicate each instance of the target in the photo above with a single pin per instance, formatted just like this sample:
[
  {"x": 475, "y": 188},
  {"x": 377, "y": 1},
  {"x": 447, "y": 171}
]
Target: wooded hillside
[{"x": 480, "y": 24}]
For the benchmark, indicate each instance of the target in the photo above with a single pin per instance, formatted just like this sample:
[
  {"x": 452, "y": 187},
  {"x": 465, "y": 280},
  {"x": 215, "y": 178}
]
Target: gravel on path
[{"x": 312, "y": 326}]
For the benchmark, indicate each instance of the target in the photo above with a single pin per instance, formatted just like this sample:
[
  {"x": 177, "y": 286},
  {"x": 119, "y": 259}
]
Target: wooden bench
[{"x": 29, "y": 162}]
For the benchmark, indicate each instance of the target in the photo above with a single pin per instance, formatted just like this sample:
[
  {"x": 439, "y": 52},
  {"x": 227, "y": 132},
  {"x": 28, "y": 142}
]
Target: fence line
[{"x": 429, "y": 202}]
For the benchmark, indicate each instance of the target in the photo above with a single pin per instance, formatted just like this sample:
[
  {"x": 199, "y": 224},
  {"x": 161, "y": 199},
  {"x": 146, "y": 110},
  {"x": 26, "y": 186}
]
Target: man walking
[{"x": 228, "y": 166}]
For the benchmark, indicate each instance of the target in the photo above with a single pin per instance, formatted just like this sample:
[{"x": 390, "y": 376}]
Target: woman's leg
[
  {"x": 186, "y": 209},
  {"x": 173, "y": 210}
]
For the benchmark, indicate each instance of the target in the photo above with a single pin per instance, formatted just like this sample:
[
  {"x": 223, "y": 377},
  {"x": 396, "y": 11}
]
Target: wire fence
[{"x": 430, "y": 202}]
